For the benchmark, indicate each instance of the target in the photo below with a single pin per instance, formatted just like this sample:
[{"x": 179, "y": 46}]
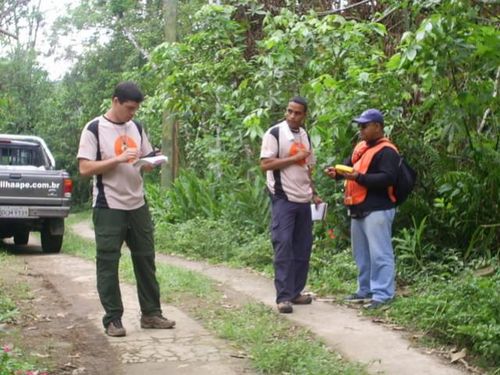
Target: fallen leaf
[
  {"x": 40, "y": 355},
  {"x": 486, "y": 271},
  {"x": 458, "y": 355},
  {"x": 326, "y": 299},
  {"x": 398, "y": 328},
  {"x": 239, "y": 355}
]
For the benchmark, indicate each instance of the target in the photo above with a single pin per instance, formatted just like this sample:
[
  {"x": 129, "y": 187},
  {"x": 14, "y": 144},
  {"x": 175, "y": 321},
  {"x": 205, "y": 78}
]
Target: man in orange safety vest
[{"x": 370, "y": 201}]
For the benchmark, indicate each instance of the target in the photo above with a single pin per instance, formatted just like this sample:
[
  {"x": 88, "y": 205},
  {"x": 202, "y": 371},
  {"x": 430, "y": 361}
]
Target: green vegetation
[
  {"x": 432, "y": 67},
  {"x": 13, "y": 358},
  {"x": 273, "y": 344},
  {"x": 462, "y": 311}
]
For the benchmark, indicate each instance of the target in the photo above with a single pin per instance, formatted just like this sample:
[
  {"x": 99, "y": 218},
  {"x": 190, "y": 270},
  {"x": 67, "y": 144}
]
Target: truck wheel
[
  {"x": 51, "y": 243},
  {"x": 22, "y": 237}
]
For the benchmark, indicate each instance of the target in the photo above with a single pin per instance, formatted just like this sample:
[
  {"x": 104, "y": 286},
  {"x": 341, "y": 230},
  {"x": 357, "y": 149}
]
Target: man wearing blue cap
[{"x": 370, "y": 200}]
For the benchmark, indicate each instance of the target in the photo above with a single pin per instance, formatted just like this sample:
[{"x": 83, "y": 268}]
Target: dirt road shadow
[{"x": 33, "y": 247}]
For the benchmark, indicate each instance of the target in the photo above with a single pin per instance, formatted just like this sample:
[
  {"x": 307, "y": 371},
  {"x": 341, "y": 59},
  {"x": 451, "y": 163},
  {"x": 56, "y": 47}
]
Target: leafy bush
[
  {"x": 332, "y": 273},
  {"x": 256, "y": 254},
  {"x": 215, "y": 241},
  {"x": 464, "y": 311},
  {"x": 226, "y": 197}
]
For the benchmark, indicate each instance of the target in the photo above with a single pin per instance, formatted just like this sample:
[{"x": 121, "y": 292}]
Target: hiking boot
[
  {"x": 115, "y": 329},
  {"x": 285, "y": 307},
  {"x": 302, "y": 299},
  {"x": 357, "y": 298},
  {"x": 156, "y": 322},
  {"x": 373, "y": 305}
]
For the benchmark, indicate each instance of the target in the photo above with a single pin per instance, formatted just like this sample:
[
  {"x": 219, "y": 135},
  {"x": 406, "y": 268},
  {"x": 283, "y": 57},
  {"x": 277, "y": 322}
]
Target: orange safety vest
[{"x": 361, "y": 159}]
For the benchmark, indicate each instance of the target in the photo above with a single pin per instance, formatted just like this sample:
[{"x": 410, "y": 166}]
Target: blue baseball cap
[{"x": 370, "y": 115}]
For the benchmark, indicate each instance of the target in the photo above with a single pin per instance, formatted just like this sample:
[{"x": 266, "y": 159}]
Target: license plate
[{"x": 13, "y": 211}]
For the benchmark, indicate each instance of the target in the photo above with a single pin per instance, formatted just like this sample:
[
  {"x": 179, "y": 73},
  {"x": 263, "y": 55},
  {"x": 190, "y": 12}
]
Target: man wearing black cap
[{"x": 370, "y": 200}]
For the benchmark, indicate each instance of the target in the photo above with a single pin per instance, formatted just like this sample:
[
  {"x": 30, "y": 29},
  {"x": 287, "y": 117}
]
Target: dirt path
[
  {"x": 188, "y": 349},
  {"x": 355, "y": 337}
]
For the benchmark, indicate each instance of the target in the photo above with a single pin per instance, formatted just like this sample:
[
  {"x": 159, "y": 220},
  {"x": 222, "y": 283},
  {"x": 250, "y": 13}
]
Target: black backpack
[{"x": 405, "y": 182}]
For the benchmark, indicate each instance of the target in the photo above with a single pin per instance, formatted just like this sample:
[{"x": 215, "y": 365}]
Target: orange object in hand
[{"x": 294, "y": 149}]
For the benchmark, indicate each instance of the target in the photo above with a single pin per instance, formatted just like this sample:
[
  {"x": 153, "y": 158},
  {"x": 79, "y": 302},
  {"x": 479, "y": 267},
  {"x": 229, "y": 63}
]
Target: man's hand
[
  {"x": 316, "y": 199},
  {"x": 331, "y": 172},
  {"x": 128, "y": 155},
  {"x": 301, "y": 154}
]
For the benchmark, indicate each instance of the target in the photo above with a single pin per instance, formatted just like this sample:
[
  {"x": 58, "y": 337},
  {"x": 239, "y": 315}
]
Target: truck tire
[
  {"x": 52, "y": 242},
  {"x": 21, "y": 237}
]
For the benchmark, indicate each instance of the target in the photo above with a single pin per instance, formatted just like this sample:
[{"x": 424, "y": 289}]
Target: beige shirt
[
  {"x": 293, "y": 182},
  {"x": 122, "y": 187}
]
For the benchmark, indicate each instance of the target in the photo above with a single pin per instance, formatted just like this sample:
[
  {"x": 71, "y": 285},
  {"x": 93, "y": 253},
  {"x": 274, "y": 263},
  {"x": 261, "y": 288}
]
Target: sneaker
[
  {"x": 302, "y": 299},
  {"x": 357, "y": 298},
  {"x": 285, "y": 307},
  {"x": 156, "y": 322},
  {"x": 373, "y": 305},
  {"x": 115, "y": 329}
]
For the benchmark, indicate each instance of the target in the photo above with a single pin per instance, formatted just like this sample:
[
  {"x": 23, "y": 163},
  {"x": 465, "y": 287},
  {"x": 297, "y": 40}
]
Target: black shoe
[{"x": 357, "y": 298}]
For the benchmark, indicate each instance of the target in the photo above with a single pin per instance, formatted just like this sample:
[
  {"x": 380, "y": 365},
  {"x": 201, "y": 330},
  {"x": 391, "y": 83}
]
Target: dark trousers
[
  {"x": 291, "y": 235},
  {"x": 112, "y": 228}
]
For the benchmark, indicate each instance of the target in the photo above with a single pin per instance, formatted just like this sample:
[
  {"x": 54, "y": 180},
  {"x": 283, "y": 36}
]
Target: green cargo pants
[{"x": 112, "y": 228}]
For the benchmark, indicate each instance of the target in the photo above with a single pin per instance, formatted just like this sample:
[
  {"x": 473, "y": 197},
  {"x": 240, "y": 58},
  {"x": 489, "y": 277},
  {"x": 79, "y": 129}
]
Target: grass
[
  {"x": 14, "y": 358},
  {"x": 273, "y": 344},
  {"x": 463, "y": 311},
  {"x": 276, "y": 346}
]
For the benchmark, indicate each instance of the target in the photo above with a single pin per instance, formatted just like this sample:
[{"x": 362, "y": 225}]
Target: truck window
[{"x": 21, "y": 156}]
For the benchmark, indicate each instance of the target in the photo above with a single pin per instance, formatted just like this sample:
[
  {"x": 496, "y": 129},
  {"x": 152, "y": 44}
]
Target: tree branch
[
  {"x": 488, "y": 110},
  {"x": 134, "y": 42},
  {"x": 342, "y": 9},
  {"x": 5, "y": 32}
]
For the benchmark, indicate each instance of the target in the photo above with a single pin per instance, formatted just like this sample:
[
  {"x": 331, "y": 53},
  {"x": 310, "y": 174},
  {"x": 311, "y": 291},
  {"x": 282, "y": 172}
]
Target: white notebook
[
  {"x": 152, "y": 160},
  {"x": 318, "y": 212}
]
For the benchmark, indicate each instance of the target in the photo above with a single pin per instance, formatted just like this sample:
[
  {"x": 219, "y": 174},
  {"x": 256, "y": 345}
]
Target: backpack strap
[{"x": 275, "y": 132}]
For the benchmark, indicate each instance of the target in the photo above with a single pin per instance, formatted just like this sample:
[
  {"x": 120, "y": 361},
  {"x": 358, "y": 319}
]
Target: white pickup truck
[{"x": 34, "y": 196}]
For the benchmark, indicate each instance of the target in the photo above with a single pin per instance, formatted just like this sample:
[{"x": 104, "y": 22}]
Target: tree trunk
[{"x": 169, "y": 134}]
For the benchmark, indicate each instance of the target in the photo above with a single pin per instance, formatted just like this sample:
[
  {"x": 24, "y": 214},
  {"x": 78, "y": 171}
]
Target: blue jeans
[{"x": 372, "y": 247}]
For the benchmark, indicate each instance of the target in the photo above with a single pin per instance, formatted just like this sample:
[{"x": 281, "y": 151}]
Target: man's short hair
[
  {"x": 299, "y": 100},
  {"x": 126, "y": 91}
]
